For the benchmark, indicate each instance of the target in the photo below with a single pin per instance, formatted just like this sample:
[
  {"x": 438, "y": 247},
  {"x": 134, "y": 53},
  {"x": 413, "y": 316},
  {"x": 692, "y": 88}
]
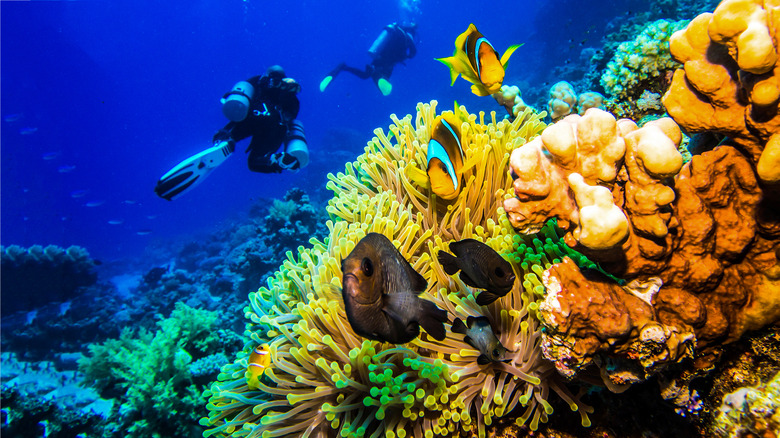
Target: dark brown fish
[
  {"x": 481, "y": 267},
  {"x": 380, "y": 291},
  {"x": 479, "y": 334}
]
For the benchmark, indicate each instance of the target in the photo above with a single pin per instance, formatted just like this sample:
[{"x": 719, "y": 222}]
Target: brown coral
[
  {"x": 710, "y": 235},
  {"x": 730, "y": 82}
]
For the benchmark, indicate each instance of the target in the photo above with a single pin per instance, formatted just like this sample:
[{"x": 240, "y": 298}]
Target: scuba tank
[
  {"x": 235, "y": 104},
  {"x": 295, "y": 143},
  {"x": 380, "y": 43}
]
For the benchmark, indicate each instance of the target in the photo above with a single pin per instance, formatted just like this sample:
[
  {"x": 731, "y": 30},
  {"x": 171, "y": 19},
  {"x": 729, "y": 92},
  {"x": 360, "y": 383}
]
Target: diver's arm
[
  {"x": 224, "y": 133},
  {"x": 411, "y": 49}
]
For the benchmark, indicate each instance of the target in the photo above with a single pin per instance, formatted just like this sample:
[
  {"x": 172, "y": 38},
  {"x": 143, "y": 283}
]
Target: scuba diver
[
  {"x": 395, "y": 44},
  {"x": 263, "y": 107}
]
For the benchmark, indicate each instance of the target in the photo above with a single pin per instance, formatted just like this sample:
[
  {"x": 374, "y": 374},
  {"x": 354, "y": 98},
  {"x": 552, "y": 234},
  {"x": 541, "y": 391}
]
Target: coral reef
[
  {"x": 38, "y": 400},
  {"x": 751, "y": 362},
  {"x": 699, "y": 249},
  {"x": 510, "y": 98},
  {"x": 564, "y": 101},
  {"x": 207, "y": 273},
  {"x": 641, "y": 64},
  {"x": 34, "y": 276},
  {"x": 751, "y": 411},
  {"x": 325, "y": 380},
  {"x": 242, "y": 256},
  {"x": 729, "y": 83},
  {"x": 152, "y": 376}
]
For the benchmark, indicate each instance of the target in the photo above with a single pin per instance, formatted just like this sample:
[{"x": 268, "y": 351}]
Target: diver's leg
[
  {"x": 362, "y": 74},
  {"x": 262, "y": 162},
  {"x": 333, "y": 73}
]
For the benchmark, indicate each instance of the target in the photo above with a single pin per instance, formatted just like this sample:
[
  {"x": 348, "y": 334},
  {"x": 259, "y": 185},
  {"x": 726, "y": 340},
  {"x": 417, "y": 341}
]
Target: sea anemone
[{"x": 325, "y": 380}]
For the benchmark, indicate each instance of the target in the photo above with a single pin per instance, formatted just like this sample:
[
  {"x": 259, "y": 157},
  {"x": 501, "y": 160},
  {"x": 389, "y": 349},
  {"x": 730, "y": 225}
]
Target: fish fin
[
  {"x": 485, "y": 297},
  {"x": 460, "y": 247},
  {"x": 458, "y": 326},
  {"x": 480, "y": 90},
  {"x": 392, "y": 302},
  {"x": 479, "y": 320},
  {"x": 450, "y": 63},
  {"x": 432, "y": 320},
  {"x": 418, "y": 281},
  {"x": 509, "y": 51},
  {"x": 483, "y": 360},
  {"x": 448, "y": 262},
  {"x": 469, "y": 341},
  {"x": 460, "y": 40},
  {"x": 464, "y": 277}
]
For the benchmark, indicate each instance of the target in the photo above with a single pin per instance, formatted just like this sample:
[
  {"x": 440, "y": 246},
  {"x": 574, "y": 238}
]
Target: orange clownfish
[
  {"x": 259, "y": 361},
  {"x": 477, "y": 61},
  {"x": 445, "y": 156}
]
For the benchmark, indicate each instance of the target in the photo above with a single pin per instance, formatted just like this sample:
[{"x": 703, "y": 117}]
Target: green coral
[
  {"x": 150, "y": 374},
  {"x": 641, "y": 64}
]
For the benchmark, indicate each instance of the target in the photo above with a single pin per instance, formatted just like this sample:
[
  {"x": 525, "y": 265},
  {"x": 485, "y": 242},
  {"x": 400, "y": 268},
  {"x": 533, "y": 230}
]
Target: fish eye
[
  {"x": 367, "y": 267},
  {"x": 496, "y": 353},
  {"x": 499, "y": 272}
]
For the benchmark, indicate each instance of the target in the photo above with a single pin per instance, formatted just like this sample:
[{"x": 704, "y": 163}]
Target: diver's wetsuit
[
  {"x": 273, "y": 108},
  {"x": 398, "y": 47}
]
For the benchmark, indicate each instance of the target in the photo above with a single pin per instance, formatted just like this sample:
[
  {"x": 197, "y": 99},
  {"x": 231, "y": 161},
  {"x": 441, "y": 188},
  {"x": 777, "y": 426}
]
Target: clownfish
[
  {"x": 445, "y": 156},
  {"x": 259, "y": 361},
  {"x": 477, "y": 61}
]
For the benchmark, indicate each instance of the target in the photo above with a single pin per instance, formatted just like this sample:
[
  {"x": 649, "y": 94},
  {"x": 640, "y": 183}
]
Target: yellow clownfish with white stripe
[
  {"x": 259, "y": 361},
  {"x": 477, "y": 61},
  {"x": 445, "y": 156}
]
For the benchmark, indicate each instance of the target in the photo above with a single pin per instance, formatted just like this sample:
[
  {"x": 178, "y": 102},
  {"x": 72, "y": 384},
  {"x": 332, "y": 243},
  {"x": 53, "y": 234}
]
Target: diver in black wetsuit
[
  {"x": 395, "y": 44},
  {"x": 270, "y": 121},
  {"x": 263, "y": 107}
]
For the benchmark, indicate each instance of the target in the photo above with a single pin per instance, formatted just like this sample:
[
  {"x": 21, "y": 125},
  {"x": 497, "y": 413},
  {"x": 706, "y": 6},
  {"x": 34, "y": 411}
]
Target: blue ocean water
[{"x": 100, "y": 98}]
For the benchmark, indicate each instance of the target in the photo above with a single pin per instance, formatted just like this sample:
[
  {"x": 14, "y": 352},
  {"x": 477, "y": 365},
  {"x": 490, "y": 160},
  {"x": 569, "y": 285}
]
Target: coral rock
[
  {"x": 707, "y": 231},
  {"x": 563, "y": 100},
  {"x": 595, "y": 146},
  {"x": 594, "y": 320},
  {"x": 730, "y": 81}
]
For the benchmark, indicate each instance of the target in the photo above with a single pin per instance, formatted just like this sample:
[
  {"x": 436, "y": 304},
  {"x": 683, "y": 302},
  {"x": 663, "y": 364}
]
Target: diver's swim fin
[
  {"x": 325, "y": 82},
  {"x": 384, "y": 86},
  {"x": 190, "y": 172}
]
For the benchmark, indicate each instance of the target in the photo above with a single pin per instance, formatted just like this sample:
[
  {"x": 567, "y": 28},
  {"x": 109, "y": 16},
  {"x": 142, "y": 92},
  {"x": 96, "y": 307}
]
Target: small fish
[
  {"x": 477, "y": 61},
  {"x": 143, "y": 232},
  {"x": 48, "y": 156},
  {"x": 380, "y": 291},
  {"x": 28, "y": 131},
  {"x": 481, "y": 267},
  {"x": 116, "y": 222},
  {"x": 78, "y": 193},
  {"x": 94, "y": 203},
  {"x": 11, "y": 118},
  {"x": 445, "y": 156},
  {"x": 480, "y": 335},
  {"x": 151, "y": 216},
  {"x": 259, "y": 361},
  {"x": 129, "y": 201},
  {"x": 67, "y": 168}
]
